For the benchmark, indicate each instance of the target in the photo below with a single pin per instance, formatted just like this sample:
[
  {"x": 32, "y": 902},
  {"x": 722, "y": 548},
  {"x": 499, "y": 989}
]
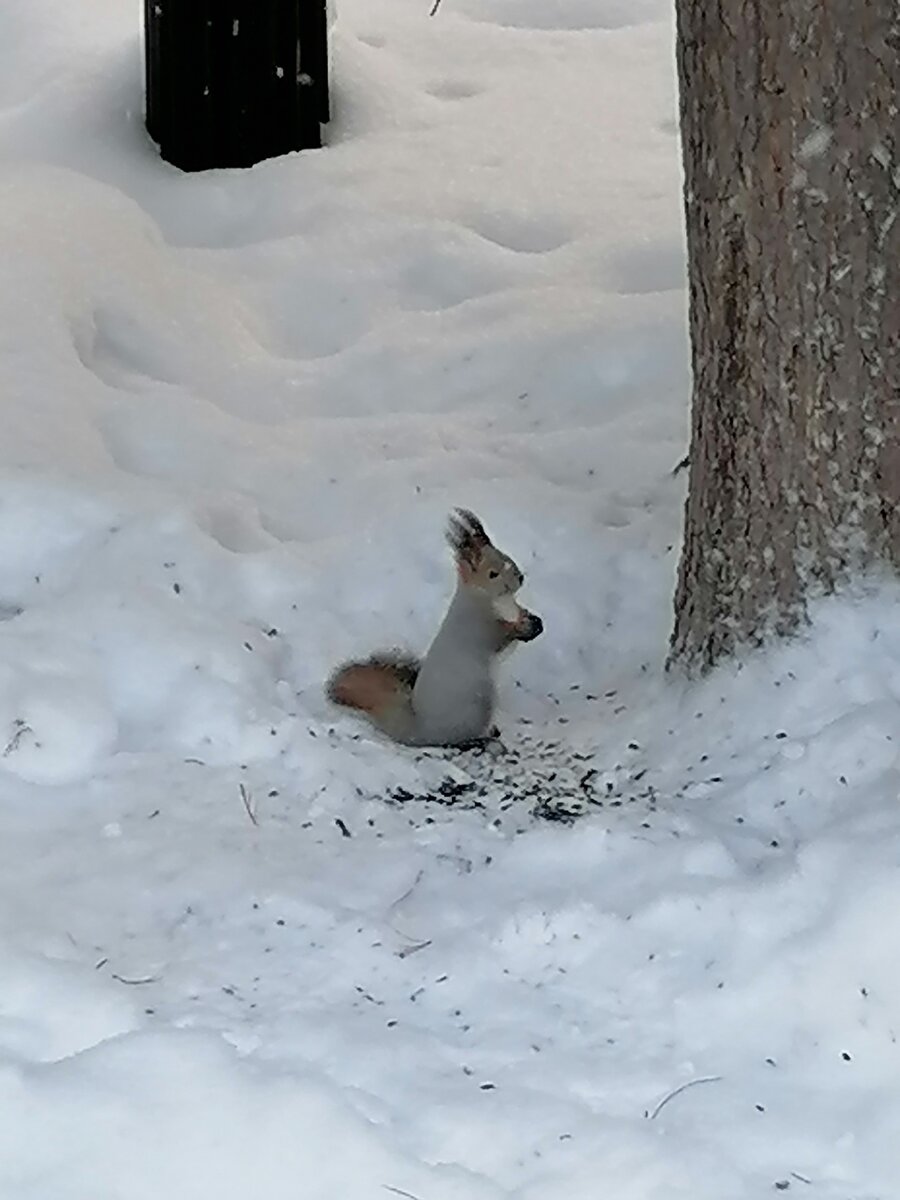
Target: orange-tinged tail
[{"x": 374, "y": 685}]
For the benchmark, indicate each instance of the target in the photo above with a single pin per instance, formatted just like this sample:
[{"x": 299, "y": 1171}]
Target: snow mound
[
  {"x": 50, "y": 1009},
  {"x": 256, "y": 1132}
]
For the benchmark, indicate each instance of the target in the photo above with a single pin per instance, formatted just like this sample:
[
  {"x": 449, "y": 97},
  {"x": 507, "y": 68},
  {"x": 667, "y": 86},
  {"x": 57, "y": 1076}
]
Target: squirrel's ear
[{"x": 466, "y": 536}]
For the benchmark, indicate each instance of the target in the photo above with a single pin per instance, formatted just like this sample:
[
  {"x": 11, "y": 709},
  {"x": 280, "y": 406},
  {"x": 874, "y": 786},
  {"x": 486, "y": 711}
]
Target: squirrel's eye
[{"x": 493, "y": 574}]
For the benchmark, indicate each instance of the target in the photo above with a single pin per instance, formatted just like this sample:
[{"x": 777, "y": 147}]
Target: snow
[{"x": 246, "y": 948}]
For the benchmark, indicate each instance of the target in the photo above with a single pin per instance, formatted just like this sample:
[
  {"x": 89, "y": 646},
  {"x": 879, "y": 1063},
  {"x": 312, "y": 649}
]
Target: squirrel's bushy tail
[{"x": 380, "y": 686}]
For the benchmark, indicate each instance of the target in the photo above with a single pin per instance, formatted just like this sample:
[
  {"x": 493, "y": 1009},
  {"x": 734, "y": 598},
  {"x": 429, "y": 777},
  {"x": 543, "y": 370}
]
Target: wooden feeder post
[{"x": 231, "y": 82}]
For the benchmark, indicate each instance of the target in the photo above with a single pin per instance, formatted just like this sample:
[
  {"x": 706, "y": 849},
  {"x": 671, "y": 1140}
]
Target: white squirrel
[{"x": 447, "y": 698}]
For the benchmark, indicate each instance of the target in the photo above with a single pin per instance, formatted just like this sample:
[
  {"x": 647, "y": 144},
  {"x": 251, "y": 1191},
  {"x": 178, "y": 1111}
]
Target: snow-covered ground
[{"x": 246, "y": 949}]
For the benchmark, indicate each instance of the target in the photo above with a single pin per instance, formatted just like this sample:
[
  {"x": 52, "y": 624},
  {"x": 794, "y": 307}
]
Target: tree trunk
[{"x": 789, "y": 121}]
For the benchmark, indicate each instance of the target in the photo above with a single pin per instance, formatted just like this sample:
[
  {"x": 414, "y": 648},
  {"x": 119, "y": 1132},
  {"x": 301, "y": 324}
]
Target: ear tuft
[{"x": 466, "y": 536}]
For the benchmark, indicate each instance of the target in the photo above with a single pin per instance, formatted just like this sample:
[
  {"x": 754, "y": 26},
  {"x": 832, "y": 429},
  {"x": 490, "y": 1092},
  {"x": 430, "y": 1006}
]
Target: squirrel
[{"x": 447, "y": 698}]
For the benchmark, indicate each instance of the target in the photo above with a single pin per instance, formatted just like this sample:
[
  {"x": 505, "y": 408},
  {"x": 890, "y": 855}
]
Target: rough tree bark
[{"x": 789, "y": 121}]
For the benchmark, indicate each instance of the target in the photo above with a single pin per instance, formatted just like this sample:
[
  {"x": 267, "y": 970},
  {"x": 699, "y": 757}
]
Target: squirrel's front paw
[{"x": 530, "y": 627}]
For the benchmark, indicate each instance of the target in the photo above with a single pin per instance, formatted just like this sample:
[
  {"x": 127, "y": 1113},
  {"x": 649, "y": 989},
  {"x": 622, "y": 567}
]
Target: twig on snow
[
  {"x": 136, "y": 982},
  {"x": 417, "y": 945},
  {"x": 248, "y": 804},
  {"x": 677, "y": 1092},
  {"x": 406, "y": 951},
  {"x": 435, "y": 7},
  {"x": 387, "y": 1187},
  {"x": 409, "y": 891}
]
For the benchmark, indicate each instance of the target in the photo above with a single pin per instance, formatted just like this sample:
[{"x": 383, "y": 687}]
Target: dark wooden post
[{"x": 231, "y": 82}]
